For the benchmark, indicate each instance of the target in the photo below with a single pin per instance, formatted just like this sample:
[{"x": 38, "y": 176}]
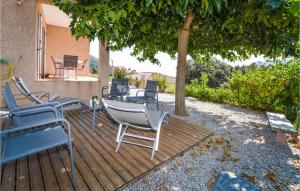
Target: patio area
[{"x": 97, "y": 165}]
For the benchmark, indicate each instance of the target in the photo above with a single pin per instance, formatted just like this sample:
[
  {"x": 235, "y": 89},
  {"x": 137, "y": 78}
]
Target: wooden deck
[{"x": 97, "y": 166}]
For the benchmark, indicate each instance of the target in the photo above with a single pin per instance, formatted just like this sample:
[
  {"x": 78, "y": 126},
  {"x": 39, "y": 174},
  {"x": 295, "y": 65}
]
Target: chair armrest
[
  {"x": 57, "y": 105},
  {"x": 125, "y": 90},
  {"x": 34, "y": 106},
  {"x": 15, "y": 95},
  {"x": 137, "y": 92},
  {"x": 54, "y": 97},
  {"x": 40, "y": 95},
  {"x": 104, "y": 88},
  {"x": 156, "y": 93},
  {"x": 33, "y": 125},
  {"x": 36, "y": 111}
]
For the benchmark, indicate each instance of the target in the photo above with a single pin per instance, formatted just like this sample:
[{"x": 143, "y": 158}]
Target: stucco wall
[
  {"x": 18, "y": 38},
  {"x": 60, "y": 42}
]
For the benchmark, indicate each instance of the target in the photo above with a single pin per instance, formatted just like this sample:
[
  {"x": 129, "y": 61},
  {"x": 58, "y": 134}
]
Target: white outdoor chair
[{"x": 137, "y": 116}]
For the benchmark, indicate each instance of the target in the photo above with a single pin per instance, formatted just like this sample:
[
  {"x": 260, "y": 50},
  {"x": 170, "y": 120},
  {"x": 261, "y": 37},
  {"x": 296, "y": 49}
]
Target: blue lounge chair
[
  {"x": 36, "y": 97},
  {"x": 118, "y": 91},
  {"x": 24, "y": 115},
  {"x": 36, "y": 129},
  {"x": 21, "y": 141},
  {"x": 150, "y": 94}
]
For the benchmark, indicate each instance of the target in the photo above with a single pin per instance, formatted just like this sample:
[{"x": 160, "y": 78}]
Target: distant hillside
[{"x": 94, "y": 63}]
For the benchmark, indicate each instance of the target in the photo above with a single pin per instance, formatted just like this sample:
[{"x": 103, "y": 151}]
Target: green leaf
[
  {"x": 148, "y": 2},
  {"x": 204, "y": 5},
  {"x": 184, "y": 3},
  {"x": 217, "y": 4}
]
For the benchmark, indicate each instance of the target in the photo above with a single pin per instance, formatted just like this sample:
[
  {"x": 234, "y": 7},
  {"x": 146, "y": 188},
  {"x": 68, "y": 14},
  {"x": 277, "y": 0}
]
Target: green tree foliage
[
  {"x": 218, "y": 71},
  {"x": 161, "y": 80},
  {"x": 269, "y": 88},
  {"x": 233, "y": 29}
]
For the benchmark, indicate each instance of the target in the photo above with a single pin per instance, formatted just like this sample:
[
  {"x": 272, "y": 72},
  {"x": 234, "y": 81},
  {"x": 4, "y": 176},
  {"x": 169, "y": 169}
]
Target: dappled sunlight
[
  {"x": 258, "y": 140},
  {"x": 175, "y": 188}
]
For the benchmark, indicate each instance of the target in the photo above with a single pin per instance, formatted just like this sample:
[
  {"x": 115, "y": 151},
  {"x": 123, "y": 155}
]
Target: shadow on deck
[{"x": 97, "y": 166}]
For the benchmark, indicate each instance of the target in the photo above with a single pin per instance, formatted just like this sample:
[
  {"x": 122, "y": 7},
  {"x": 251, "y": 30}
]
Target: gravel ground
[{"x": 242, "y": 144}]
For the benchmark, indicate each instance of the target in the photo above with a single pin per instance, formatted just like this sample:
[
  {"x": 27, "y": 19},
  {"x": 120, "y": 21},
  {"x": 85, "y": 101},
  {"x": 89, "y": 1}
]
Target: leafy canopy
[{"x": 231, "y": 28}]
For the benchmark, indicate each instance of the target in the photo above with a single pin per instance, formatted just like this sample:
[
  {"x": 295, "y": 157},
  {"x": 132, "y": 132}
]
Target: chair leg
[
  {"x": 81, "y": 110},
  {"x": 157, "y": 105},
  {"x": 155, "y": 144},
  {"x": 153, "y": 153},
  {"x": 119, "y": 133},
  {"x": 58, "y": 148},
  {"x": 72, "y": 163},
  {"x": 121, "y": 139}
]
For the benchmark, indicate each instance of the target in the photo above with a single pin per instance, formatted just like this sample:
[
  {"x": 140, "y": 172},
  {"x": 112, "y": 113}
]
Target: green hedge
[{"x": 268, "y": 88}]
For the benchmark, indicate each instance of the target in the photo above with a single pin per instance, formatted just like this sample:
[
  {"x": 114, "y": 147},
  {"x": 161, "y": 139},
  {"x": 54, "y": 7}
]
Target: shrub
[
  {"x": 269, "y": 88},
  {"x": 137, "y": 82},
  {"x": 161, "y": 80},
  {"x": 170, "y": 90},
  {"x": 120, "y": 73}
]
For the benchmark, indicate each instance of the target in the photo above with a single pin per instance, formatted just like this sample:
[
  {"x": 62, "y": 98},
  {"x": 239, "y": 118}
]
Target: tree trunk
[{"x": 183, "y": 39}]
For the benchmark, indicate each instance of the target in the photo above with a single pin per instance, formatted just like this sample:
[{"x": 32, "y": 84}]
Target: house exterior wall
[
  {"x": 60, "y": 42},
  {"x": 18, "y": 38}
]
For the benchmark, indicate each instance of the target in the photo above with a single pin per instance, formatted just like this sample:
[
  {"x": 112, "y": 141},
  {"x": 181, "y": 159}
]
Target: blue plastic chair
[
  {"x": 36, "y": 129},
  {"x": 118, "y": 90},
  {"x": 150, "y": 94}
]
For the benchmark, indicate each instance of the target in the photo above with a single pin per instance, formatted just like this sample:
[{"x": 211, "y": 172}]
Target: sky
[{"x": 167, "y": 67}]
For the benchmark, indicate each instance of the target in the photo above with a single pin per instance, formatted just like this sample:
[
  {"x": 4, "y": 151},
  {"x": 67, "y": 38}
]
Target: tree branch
[{"x": 188, "y": 21}]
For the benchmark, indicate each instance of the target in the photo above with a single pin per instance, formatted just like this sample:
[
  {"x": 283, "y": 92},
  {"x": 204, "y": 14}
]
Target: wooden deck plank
[
  {"x": 101, "y": 171},
  {"x": 49, "y": 178},
  {"x": 8, "y": 182},
  {"x": 60, "y": 171},
  {"x": 35, "y": 173},
  {"x": 100, "y": 159},
  {"x": 107, "y": 153},
  {"x": 86, "y": 172},
  {"x": 80, "y": 184},
  {"x": 22, "y": 176},
  {"x": 134, "y": 170},
  {"x": 97, "y": 165}
]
